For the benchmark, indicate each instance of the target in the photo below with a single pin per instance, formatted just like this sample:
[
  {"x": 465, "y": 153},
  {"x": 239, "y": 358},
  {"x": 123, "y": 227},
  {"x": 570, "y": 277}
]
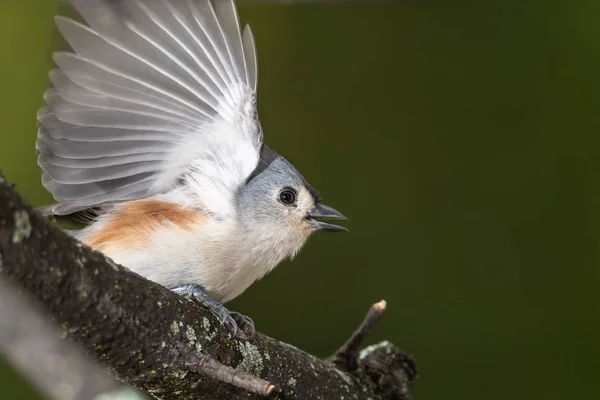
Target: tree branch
[
  {"x": 33, "y": 345},
  {"x": 162, "y": 343}
]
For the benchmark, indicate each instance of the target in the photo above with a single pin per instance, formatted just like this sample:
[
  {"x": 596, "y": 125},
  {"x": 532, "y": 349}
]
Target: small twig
[
  {"x": 206, "y": 365},
  {"x": 346, "y": 356}
]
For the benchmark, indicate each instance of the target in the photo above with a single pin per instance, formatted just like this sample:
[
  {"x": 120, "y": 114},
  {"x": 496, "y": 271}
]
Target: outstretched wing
[{"x": 155, "y": 92}]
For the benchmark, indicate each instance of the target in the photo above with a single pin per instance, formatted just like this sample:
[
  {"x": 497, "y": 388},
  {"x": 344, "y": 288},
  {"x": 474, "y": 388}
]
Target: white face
[
  {"x": 280, "y": 207},
  {"x": 295, "y": 203}
]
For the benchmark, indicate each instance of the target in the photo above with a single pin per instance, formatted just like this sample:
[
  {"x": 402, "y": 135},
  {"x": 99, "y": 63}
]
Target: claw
[
  {"x": 225, "y": 317},
  {"x": 245, "y": 323}
]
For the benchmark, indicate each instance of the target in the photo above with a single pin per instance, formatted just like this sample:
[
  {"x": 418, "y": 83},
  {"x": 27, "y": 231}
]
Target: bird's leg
[{"x": 230, "y": 318}]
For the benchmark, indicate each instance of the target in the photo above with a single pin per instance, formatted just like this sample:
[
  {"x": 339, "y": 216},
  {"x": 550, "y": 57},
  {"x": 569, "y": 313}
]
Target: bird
[{"x": 151, "y": 122}]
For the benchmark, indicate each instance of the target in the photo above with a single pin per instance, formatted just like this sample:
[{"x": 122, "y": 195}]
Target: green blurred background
[{"x": 459, "y": 137}]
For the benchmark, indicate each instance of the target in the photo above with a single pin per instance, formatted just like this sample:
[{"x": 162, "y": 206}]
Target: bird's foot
[
  {"x": 233, "y": 320},
  {"x": 244, "y": 322}
]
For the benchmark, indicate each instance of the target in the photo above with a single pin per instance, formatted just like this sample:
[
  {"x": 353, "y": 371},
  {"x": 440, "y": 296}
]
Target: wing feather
[
  {"x": 99, "y": 162},
  {"x": 57, "y": 129},
  {"x": 83, "y": 150},
  {"x": 114, "y": 97},
  {"x": 81, "y": 71},
  {"x": 230, "y": 29},
  {"x": 155, "y": 92},
  {"x": 96, "y": 193},
  {"x": 71, "y": 176},
  {"x": 90, "y": 44},
  {"x": 251, "y": 59}
]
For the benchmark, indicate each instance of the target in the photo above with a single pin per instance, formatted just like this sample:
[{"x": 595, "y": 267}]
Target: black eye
[{"x": 287, "y": 196}]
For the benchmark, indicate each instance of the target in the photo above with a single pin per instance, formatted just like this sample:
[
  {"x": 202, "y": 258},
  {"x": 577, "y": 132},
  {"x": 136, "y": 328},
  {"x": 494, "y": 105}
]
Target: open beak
[{"x": 323, "y": 211}]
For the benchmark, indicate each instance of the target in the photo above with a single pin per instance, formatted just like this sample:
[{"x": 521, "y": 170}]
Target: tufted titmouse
[{"x": 152, "y": 121}]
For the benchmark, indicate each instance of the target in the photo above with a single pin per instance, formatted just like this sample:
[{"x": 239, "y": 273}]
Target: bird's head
[{"x": 278, "y": 202}]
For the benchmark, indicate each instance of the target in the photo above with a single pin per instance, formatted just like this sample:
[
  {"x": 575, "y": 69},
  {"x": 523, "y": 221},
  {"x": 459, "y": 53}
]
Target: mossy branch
[{"x": 161, "y": 343}]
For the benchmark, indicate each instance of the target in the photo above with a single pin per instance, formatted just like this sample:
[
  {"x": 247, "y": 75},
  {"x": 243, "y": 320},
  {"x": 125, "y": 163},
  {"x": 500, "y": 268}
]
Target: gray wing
[{"x": 153, "y": 91}]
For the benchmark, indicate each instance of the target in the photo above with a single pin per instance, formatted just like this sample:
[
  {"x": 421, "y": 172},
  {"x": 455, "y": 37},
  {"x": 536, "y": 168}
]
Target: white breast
[{"x": 220, "y": 255}]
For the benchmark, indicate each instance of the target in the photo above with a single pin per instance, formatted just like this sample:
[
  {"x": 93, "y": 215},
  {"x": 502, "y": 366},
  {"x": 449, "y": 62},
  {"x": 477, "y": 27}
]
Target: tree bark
[{"x": 165, "y": 344}]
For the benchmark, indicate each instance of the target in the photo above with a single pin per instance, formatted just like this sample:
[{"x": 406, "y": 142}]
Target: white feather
[{"x": 173, "y": 70}]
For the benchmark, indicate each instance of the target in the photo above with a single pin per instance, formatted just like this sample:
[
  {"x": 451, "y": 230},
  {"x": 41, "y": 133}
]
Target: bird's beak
[{"x": 323, "y": 211}]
